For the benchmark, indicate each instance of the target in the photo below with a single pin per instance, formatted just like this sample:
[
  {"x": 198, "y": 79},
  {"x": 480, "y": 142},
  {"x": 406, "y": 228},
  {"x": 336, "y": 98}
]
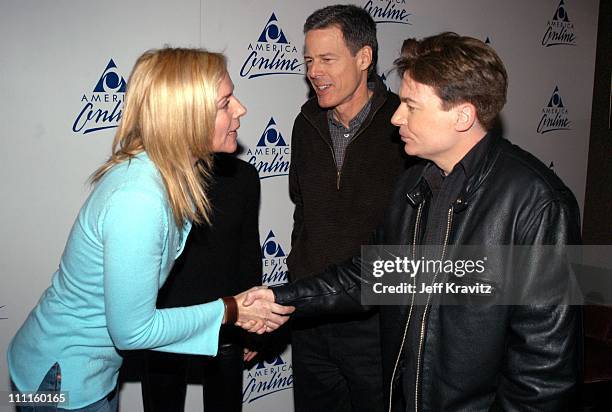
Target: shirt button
[{"x": 346, "y": 135}]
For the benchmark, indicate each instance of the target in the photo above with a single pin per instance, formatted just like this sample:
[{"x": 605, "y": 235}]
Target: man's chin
[
  {"x": 325, "y": 103},
  {"x": 410, "y": 150}
]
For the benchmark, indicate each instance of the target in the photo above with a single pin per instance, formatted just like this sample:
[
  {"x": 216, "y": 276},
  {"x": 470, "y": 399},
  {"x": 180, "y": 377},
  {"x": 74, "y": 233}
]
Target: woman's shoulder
[
  {"x": 131, "y": 185},
  {"x": 137, "y": 174}
]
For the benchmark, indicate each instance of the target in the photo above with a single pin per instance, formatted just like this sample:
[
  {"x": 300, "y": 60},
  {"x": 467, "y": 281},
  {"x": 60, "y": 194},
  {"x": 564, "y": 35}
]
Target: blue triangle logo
[
  {"x": 271, "y": 248},
  {"x": 561, "y": 14},
  {"x": 555, "y": 99},
  {"x": 110, "y": 81},
  {"x": 271, "y": 136},
  {"x": 272, "y": 33},
  {"x": 273, "y": 362}
]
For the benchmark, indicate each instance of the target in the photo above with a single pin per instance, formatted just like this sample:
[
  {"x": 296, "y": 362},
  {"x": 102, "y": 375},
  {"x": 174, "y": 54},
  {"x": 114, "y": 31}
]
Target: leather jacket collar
[{"x": 418, "y": 188}]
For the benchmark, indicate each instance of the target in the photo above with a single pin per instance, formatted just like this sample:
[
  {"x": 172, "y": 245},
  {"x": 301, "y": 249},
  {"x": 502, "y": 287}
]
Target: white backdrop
[{"x": 61, "y": 96}]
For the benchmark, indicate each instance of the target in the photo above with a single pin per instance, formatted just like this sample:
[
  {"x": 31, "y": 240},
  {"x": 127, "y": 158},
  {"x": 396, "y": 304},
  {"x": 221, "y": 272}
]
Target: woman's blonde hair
[{"x": 169, "y": 112}]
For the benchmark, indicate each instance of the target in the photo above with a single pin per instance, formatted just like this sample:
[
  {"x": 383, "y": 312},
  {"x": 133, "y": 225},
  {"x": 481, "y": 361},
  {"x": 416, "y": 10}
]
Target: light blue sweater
[{"x": 102, "y": 298}]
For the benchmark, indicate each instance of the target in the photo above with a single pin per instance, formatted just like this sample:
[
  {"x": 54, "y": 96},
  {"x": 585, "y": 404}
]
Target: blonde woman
[{"x": 179, "y": 110}]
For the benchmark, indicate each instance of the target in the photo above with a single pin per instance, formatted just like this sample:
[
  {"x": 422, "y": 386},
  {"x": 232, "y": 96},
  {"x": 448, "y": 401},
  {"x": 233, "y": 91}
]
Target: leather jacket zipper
[
  {"x": 414, "y": 242},
  {"x": 449, "y": 222}
]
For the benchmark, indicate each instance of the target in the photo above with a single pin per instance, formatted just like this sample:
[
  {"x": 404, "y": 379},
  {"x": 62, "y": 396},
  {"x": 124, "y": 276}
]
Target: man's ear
[
  {"x": 466, "y": 116},
  {"x": 364, "y": 57}
]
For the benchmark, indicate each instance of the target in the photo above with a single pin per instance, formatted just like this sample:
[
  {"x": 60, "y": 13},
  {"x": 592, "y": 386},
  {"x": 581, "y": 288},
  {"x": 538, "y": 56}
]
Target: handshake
[{"x": 255, "y": 311}]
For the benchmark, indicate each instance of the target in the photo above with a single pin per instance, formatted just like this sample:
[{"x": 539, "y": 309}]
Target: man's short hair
[
  {"x": 356, "y": 24},
  {"x": 460, "y": 69}
]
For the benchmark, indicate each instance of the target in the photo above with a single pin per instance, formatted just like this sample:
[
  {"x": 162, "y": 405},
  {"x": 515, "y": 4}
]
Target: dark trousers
[
  {"x": 164, "y": 384},
  {"x": 337, "y": 365}
]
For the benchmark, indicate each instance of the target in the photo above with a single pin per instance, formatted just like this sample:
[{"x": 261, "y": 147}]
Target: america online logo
[
  {"x": 103, "y": 107},
  {"x": 272, "y": 155},
  {"x": 272, "y": 54},
  {"x": 560, "y": 30},
  {"x": 266, "y": 378},
  {"x": 554, "y": 115},
  {"x": 274, "y": 261},
  {"x": 388, "y": 11}
]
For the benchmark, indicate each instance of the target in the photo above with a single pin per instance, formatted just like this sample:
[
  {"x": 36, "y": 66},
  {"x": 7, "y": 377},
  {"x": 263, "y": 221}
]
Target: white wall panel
[{"x": 54, "y": 54}]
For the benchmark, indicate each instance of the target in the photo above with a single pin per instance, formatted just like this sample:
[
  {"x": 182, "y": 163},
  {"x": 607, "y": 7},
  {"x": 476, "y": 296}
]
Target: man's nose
[
  {"x": 314, "y": 70},
  {"x": 398, "y": 119}
]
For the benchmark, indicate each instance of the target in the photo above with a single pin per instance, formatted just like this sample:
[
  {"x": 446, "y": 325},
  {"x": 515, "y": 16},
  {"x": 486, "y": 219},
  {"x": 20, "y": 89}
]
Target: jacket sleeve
[
  {"x": 336, "y": 290},
  {"x": 134, "y": 232},
  {"x": 294, "y": 188},
  {"x": 250, "y": 249},
  {"x": 542, "y": 361}
]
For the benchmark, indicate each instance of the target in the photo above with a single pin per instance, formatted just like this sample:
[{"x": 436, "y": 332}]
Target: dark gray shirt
[{"x": 342, "y": 136}]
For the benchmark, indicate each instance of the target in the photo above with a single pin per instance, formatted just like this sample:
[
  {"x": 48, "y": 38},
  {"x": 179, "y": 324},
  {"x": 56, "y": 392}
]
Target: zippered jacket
[
  {"x": 473, "y": 357},
  {"x": 337, "y": 210}
]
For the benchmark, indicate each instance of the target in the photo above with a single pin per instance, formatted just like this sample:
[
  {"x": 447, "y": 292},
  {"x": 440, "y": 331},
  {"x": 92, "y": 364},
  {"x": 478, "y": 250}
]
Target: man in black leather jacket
[{"x": 472, "y": 188}]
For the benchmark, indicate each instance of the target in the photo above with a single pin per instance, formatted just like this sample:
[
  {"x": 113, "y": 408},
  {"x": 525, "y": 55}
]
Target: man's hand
[{"x": 257, "y": 311}]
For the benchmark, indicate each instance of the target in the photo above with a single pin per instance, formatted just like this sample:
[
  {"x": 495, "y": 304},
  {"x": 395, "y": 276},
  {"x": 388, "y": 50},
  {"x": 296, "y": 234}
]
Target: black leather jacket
[{"x": 474, "y": 358}]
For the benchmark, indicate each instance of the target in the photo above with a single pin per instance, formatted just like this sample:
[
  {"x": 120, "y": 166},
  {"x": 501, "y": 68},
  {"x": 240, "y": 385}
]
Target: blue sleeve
[{"x": 135, "y": 230}]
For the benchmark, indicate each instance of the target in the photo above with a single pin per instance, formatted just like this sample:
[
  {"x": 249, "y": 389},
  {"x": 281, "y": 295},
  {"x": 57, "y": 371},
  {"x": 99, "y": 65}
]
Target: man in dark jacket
[
  {"x": 346, "y": 156},
  {"x": 472, "y": 188}
]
